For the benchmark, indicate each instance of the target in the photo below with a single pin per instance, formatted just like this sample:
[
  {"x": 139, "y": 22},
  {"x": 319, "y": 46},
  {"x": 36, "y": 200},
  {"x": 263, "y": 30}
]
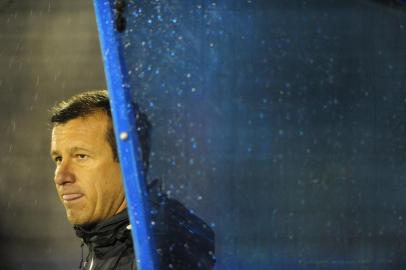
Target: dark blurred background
[{"x": 301, "y": 165}]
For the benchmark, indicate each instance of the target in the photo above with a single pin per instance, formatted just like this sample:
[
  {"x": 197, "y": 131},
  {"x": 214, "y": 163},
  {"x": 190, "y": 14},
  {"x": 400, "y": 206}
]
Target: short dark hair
[{"x": 90, "y": 102}]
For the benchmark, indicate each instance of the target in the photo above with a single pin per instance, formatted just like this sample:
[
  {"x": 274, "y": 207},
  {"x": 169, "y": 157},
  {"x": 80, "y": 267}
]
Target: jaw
[
  {"x": 74, "y": 218},
  {"x": 77, "y": 214},
  {"x": 88, "y": 211}
]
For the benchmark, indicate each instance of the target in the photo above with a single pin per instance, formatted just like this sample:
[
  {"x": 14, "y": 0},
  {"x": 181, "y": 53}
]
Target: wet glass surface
[{"x": 281, "y": 123}]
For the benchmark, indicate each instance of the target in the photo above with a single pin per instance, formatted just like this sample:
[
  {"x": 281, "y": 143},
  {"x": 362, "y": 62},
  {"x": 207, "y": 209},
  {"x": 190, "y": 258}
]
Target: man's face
[{"x": 87, "y": 177}]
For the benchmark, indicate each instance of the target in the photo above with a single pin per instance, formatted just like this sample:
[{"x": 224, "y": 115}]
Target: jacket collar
[{"x": 101, "y": 237}]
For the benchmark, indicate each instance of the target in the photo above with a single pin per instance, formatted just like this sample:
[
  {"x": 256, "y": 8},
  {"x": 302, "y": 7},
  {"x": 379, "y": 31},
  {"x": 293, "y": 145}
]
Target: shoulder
[{"x": 184, "y": 241}]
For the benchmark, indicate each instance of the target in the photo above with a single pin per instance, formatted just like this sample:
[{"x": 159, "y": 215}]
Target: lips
[{"x": 72, "y": 196}]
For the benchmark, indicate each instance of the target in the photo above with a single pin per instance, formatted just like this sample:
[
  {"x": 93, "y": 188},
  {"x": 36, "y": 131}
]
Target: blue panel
[
  {"x": 279, "y": 122},
  {"x": 127, "y": 141}
]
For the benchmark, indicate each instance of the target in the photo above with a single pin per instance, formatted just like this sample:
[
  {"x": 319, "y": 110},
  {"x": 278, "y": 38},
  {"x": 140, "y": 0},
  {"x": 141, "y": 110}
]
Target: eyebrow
[
  {"x": 54, "y": 153},
  {"x": 72, "y": 150}
]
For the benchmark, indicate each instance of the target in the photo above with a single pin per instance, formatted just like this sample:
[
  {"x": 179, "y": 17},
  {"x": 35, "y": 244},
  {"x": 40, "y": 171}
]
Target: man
[{"x": 89, "y": 183}]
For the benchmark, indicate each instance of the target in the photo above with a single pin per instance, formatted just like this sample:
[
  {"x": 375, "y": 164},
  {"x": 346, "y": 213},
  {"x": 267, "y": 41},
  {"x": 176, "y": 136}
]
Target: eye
[
  {"x": 81, "y": 156},
  {"x": 58, "y": 159}
]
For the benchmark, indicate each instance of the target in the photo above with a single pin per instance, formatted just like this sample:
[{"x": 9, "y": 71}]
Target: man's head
[{"x": 87, "y": 174}]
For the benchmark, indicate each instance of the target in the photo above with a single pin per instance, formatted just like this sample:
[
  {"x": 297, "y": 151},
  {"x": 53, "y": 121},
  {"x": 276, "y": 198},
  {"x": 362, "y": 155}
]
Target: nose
[{"x": 64, "y": 174}]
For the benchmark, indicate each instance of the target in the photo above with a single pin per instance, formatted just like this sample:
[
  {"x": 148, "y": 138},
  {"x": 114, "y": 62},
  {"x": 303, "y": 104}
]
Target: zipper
[{"x": 91, "y": 264}]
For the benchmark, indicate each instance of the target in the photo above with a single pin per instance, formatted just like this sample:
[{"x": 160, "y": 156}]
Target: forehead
[{"x": 85, "y": 130}]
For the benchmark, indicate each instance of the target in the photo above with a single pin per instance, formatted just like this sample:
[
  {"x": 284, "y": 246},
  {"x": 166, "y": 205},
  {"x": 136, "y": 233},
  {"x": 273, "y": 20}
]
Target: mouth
[{"x": 71, "y": 197}]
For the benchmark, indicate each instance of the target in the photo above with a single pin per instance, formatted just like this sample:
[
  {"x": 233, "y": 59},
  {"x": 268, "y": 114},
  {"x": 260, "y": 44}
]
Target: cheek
[
  {"x": 110, "y": 179},
  {"x": 101, "y": 178},
  {"x": 115, "y": 180},
  {"x": 90, "y": 182}
]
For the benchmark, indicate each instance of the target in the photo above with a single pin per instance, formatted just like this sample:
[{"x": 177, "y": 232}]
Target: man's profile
[{"x": 89, "y": 184}]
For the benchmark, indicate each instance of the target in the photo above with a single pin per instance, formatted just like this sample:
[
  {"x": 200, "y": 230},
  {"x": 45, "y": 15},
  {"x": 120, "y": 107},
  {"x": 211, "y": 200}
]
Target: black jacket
[
  {"x": 183, "y": 241},
  {"x": 109, "y": 243}
]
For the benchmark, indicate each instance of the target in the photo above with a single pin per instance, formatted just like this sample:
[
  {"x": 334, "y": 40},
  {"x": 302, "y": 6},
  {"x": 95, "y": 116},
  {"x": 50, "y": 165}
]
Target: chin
[
  {"x": 75, "y": 218},
  {"x": 74, "y": 221}
]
